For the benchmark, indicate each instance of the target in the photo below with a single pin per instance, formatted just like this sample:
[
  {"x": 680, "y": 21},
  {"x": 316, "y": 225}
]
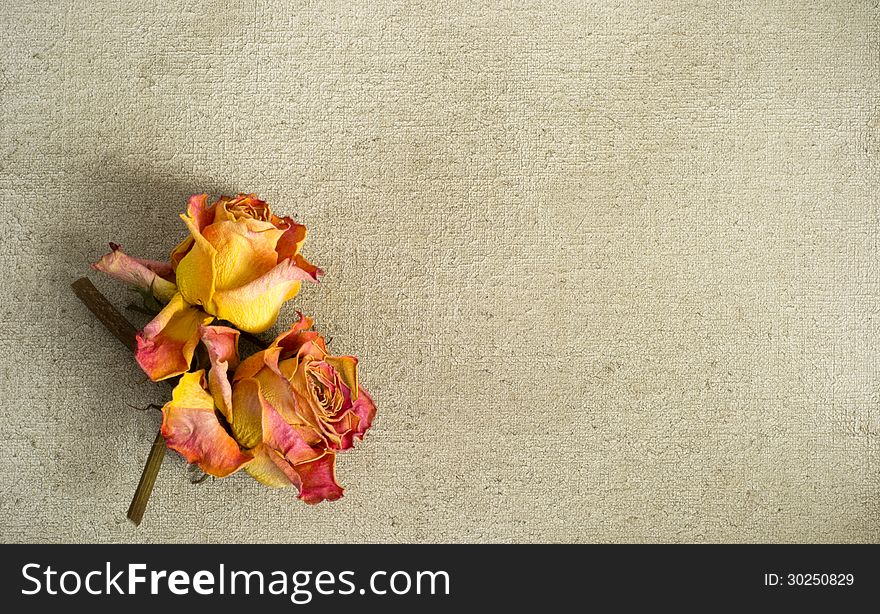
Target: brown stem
[
  {"x": 106, "y": 313},
  {"x": 148, "y": 479},
  {"x": 125, "y": 331}
]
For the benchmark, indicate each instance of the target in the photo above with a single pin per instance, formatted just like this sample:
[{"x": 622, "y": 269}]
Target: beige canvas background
[{"x": 610, "y": 267}]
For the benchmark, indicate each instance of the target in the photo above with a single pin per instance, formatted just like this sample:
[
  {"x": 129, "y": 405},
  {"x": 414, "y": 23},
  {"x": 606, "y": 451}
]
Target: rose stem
[
  {"x": 125, "y": 331},
  {"x": 148, "y": 479}
]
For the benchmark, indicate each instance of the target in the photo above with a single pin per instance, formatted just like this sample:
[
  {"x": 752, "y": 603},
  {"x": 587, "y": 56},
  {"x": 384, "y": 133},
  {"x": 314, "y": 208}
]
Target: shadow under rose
[{"x": 98, "y": 381}]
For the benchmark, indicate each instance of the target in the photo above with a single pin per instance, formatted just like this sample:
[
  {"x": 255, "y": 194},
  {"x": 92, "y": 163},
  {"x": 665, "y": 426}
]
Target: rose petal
[
  {"x": 196, "y": 270},
  {"x": 191, "y": 428},
  {"x": 245, "y": 250},
  {"x": 202, "y": 215},
  {"x": 197, "y": 208},
  {"x": 319, "y": 479},
  {"x": 293, "y": 238},
  {"x": 271, "y": 469},
  {"x": 308, "y": 466},
  {"x": 314, "y": 467},
  {"x": 365, "y": 409},
  {"x": 166, "y": 345},
  {"x": 162, "y": 269},
  {"x": 346, "y": 368},
  {"x": 314, "y": 272},
  {"x": 222, "y": 345},
  {"x": 137, "y": 273},
  {"x": 247, "y": 413},
  {"x": 254, "y": 307}
]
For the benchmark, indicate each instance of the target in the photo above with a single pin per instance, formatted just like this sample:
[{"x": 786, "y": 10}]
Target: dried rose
[
  {"x": 240, "y": 263},
  {"x": 289, "y": 409}
]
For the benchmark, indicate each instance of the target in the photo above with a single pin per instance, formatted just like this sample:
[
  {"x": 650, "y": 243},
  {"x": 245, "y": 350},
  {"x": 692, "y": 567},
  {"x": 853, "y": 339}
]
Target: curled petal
[
  {"x": 254, "y": 307},
  {"x": 356, "y": 421},
  {"x": 201, "y": 215},
  {"x": 293, "y": 238},
  {"x": 166, "y": 345},
  {"x": 190, "y": 427},
  {"x": 346, "y": 368},
  {"x": 162, "y": 269},
  {"x": 284, "y": 345},
  {"x": 145, "y": 275},
  {"x": 315, "y": 467},
  {"x": 222, "y": 345},
  {"x": 291, "y": 340},
  {"x": 272, "y": 469},
  {"x": 319, "y": 479},
  {"x": 365, "y": 409},
  {"x": 180, "y": 251},
  {"x": 313, "y": 272},
  {"x": 195, "y": 272},
  {"x": 198, "y": 210}
]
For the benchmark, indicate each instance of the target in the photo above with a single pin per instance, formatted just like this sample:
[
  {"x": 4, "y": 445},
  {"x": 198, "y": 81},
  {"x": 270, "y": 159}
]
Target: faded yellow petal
[
  {"x": 166, "y": 345},
  {"x": 254, "y": 307},
  {"x": 247, "y": 413},
  {"x": 272, "y": 469},
  {"x": 190, "y": 426},
  {"x": 196, "y": 271},
  {"x": 245, "y": 250}
]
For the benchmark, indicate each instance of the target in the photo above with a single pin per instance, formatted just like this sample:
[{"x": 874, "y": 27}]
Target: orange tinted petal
[
  {"x": 222, "y": 345},
  {"x": 191, "y": 428},
  {"x": 166, "y": 345},
  {"x": 254, "y": 307}
]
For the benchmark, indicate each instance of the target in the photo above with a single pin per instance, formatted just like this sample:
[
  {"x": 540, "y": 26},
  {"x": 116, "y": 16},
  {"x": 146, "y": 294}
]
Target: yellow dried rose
[{"x": 240, "y": 263}]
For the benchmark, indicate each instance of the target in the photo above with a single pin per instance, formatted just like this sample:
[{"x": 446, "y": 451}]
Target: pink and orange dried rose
[
  {"x": 283, "y": 416},
  {"x": 240, "y": 263}
]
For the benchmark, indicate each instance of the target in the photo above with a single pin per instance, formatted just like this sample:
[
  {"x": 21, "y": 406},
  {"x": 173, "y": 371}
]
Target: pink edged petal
[
  {"x": 365, "y": 409},
  {"x": 254, "y": 307},
  {"x": 313, "y": 272},
  {"x": 299, "y": 334},
  {"x": 222, "y": 345},
  {"x": 138, "y": 273},
  {"x": 296, "y": 444},
  {"x": 287, "y": 451},
  {"x": 197, "y": 208},
  {"x": 319, "y": 479},
  {"x": 191, "y": 427},
  {"x": 346, "y": 368},
  {"x": 355, "y": 422},
  {"x": 166, "y": 345},
  {"x": 315, "y": 467},
  {"x": 162, "y": 269},
  {"x": 201, "y": 215},
  {"x": 276, "y": 390}
]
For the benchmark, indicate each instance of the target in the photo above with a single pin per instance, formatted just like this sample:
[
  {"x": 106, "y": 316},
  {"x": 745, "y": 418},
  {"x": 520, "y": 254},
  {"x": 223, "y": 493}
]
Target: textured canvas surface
[{"x": 610, "y": 267}]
